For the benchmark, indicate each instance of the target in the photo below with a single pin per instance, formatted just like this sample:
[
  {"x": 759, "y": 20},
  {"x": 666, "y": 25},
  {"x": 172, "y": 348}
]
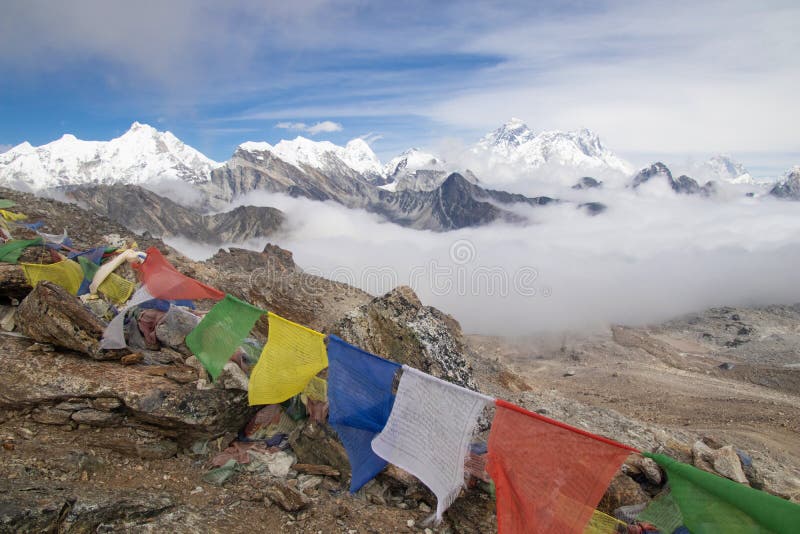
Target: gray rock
[
  {"x": 56, "y": 508},
  {"x": 176, "y": 325},
  {"x": 289, "y": 499},
  {"x": 726, "y": 462},
  {"x": 96, "y": 417},
  {"x": 232, "y": 377},
  {"x": 398, "y": 327}
]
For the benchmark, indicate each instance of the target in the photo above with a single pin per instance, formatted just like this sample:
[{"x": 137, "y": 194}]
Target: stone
[
  {"x": 51, "y": 416},
  {"x": 315, "y": 469},
  {"x": 7, "y": 318},
  {"x": 398, "y": 327},
  {"x": 132, "y": 359},
  {"x": 702, "y": 456},
  {"x": 277, "y": 463},
  {"x": 176, "y": 412},
  {"x": 96, "y": 417},
  {"x": 106, "y": 403},
  {"x": 49, "y": 314},
  {"x": 61, "y": 508},
  {"x": 287, "y": 498},
  {"x": 232, "y": 377},
  {"x": 623, "y": 491},
  {"x": 175, "y": 326},
  {"x": 646, "y": 467},
  {"x": 317, "y": 443},
  {"x": 726, "y": 462},
  {"x": 197, "y": 365}
]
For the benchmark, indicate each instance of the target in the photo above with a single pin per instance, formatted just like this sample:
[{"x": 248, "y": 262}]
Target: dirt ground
[{"x": 670, "y": 376}]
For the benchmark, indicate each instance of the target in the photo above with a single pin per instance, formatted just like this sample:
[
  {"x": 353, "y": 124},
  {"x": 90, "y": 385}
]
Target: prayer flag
[
  {"x": 711, "y": 504},
  {"x": 114, "y": 334},
  {"x": 163, "y": 281},
  {"x": 548, "y": 477},
  {"x": 292, "y": 356},
  {"x": 429, "y": 431},
  {"x": 66, "y": 273},
  {"x": 10, "y": 251},
  {"x": 221, "y": 331},
  {"x": 360, "y": 400}
]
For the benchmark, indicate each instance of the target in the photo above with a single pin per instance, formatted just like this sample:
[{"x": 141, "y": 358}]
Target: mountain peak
[
  {"x": 515, "y": 145},
  {"x": 139, "y": 155}
]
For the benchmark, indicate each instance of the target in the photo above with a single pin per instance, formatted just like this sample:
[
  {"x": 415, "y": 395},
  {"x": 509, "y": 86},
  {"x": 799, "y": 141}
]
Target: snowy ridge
[
  {"x": 516, "y": 145},
  {"x": 140, "y": 155},
  {"x": 721, "y": 168},
  {"x": 321, "y": 155}
]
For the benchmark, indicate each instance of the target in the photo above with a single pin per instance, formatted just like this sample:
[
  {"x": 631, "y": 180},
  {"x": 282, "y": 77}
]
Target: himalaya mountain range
[{"x": 121, "y": 178}]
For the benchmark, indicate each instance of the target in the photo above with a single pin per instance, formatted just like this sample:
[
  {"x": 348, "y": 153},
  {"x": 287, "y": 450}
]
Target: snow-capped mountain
[
  {"x": 789, "y": 187},
  {"x": 516, "y": 146},
  {"x": 323, "y": 156},
  {"x": 721, "y": 168},
  {"x": 140, "y": 155},
  {"x": 416, "y": 170}
]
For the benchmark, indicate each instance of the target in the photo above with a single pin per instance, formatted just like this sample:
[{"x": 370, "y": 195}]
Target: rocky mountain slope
[
  {"x": 658, "y": 172},
  {"x": 789, "y": 187},
  {"x": 142, "y": 210},
  {"x": 124, "y": 440},
  {"x": 140, "y": 155}
]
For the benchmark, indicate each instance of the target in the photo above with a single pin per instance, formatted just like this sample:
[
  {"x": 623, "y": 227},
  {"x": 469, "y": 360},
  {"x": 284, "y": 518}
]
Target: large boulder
[
  {"x": 132, "y": 409},
  {"x": 398, "y": 327},
  {"x": 50, "y": 314}
]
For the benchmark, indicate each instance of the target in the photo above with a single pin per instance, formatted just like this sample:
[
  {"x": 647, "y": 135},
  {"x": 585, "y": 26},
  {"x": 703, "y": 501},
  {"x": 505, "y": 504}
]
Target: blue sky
[{"x": 654, "y": 80}]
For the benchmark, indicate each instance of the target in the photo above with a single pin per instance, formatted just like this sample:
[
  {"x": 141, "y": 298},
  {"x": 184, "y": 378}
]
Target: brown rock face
[
  {"x": 317, "y": 443},
  {"x": 49, "y": 314},
  {"x": 133, "y": 411},
  {"x": 622, "y": 491}
]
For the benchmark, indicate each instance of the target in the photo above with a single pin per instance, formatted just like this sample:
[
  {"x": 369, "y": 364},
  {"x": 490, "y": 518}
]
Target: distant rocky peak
[{"x": 513, "y": 133}]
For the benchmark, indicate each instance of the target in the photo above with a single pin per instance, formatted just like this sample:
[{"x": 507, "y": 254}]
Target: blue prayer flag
[{"x": 360, "y": 398}]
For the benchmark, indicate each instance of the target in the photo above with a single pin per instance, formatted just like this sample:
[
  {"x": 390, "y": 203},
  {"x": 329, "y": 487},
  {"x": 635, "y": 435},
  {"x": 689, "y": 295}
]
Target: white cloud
[
  {"x": 371, "y": 137},
  {"x": 314, "y": 129},
  {"x": 5, "y": 148},
  {"x": 683, "y": 254},
  {"x": 324, "y": 127}
]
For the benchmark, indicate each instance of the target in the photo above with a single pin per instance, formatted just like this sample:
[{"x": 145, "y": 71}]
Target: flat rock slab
[
  {"x": 63, "y": 509},
  {"x": 53, "y": 385}
]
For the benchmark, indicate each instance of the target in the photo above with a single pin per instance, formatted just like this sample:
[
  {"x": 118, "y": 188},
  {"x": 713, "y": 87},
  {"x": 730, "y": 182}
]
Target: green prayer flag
[
  {"x": 221, "y": 331},
  {"x": 663, "y": 513},
  {"x": 712, "y": 504},
  {"x": 10, "y": 251},
  {"x": 89, "y": 267},
  {"x": 5, "y": 203}
]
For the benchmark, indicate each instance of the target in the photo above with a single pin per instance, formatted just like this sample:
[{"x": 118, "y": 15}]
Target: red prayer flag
[
  {"x": 163, "y": 281},
  {"x": 548, "y": 476}
]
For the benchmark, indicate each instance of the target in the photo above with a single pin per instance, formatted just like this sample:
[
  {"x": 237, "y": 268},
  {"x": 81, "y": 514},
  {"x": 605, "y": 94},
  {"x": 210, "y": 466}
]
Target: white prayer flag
[
  {"x": 429, "y": 431},
  {"x": 114, "y": 334}
]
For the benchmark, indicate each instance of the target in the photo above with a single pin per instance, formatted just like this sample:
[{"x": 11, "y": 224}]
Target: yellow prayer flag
[
  {"x": 601, "y": 523},
  {"x": 12, "y": 216},
  {"x": 116, "y": 288},
  {"x": 67, "y": 274},
  {"x": 292, "y": 356}
]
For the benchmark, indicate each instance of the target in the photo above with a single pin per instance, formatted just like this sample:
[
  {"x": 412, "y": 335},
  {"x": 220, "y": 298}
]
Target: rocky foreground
[{"x": 110, "y": 440}]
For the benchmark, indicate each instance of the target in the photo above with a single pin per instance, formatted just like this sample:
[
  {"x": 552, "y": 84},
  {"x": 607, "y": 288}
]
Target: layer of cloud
[
  {"x": 652, "y": 256},
  {"x": 313, "y": 129},
  {"x": 5, "y": 148}
]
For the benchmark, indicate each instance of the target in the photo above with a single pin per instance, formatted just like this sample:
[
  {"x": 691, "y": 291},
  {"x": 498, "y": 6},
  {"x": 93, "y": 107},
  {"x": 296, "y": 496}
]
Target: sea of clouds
[{"x": 651, "y": 256}]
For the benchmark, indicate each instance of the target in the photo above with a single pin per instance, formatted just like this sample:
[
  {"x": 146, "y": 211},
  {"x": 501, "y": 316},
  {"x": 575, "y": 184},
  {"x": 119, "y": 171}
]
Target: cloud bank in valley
[{"x": 653, "y": 255}]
